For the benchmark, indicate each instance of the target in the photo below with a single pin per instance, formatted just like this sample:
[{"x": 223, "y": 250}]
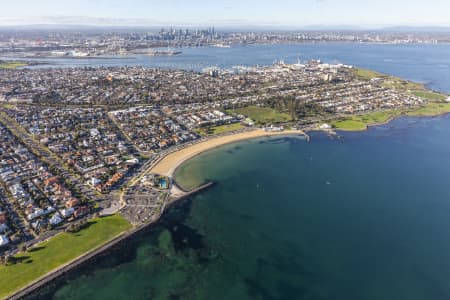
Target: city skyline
[{"x": 285, "y": 13}]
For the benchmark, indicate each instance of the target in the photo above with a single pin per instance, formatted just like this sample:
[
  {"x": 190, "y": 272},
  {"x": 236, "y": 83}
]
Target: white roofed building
[{"x": 4, "y": 241}]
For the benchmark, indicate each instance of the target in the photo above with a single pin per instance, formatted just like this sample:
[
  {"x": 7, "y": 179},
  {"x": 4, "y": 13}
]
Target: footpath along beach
[{"x": 166, "y": 166}]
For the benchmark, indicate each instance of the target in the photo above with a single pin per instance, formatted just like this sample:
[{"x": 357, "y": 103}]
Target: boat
[
  {"x": 221, "y": 45},
  {"x": 163, "y": 53}
]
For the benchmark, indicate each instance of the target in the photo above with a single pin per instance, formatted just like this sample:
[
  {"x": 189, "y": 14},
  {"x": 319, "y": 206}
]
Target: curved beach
[{"x": 172, "y": 161}]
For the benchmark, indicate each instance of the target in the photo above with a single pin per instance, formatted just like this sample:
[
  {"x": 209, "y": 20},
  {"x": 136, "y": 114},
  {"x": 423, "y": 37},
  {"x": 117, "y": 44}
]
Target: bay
[
  {"x": 365, "y": 216},
  {"x": 425, "y": 63}
]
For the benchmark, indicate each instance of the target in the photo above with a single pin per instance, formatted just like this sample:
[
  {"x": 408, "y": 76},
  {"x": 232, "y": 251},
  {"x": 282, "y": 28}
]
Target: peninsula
[
  {"x": 90, "y": 43},
  {"x": 87, "y": 154}
]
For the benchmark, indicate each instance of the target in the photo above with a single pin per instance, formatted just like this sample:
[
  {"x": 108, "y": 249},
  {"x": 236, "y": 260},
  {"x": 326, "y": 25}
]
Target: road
[{"x": 47, "y": 156}]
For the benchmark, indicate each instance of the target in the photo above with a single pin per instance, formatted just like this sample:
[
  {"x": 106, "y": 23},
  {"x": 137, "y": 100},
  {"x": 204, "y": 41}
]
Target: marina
[
  {"x": 248, "y": 150},
  {"x": 166, "y": 176}
]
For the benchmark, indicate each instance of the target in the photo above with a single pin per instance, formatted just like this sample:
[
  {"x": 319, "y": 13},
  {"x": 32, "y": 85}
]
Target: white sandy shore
[{"x": 172, "y": 161}]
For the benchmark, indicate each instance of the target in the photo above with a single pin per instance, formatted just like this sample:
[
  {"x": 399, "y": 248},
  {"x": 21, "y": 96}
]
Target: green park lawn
[
  {"x": 360, "y": 122},
  {"x": 349, "y": 124},
  {"x": 403, "y": 85},
  {"x": 414, "y": 88},
  {"x": 11, "y": 64},
  {"x": 262, "y": 115},
  {"x": 367, "y": 74},
  {"x": 59, "y": 250},
  {"x": 7, "y": 105},
  {"x": 219, "y": 129},
  {"x": 436, "y": 106},
  {"x": 430, "y": 95},
  {"x": 431, "y": 109}
]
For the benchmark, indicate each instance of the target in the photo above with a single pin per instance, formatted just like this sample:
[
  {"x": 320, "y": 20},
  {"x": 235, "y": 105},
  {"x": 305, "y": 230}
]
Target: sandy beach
[{"x": 172, "y": 161}]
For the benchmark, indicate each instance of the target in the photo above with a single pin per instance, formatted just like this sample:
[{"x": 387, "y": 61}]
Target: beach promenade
[
  {"x": 166, "y": 166},
  {"x": 33, "y": 288}
]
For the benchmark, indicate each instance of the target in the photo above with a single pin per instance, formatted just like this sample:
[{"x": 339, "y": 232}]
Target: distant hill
[
  {"x": 437, "y": 29},
  {"x": 224, "y": 27}
]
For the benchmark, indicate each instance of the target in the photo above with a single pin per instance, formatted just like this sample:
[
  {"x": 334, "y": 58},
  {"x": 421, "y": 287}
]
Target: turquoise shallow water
[{"x": 363, "y": 217}]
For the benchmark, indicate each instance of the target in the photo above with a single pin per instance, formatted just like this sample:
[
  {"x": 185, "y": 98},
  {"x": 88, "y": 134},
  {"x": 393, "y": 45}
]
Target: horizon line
[
  {"x": 84, "y": 21},
  {"x": 317, "y": 27}
]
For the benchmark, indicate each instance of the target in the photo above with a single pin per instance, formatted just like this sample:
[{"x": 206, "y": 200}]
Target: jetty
[
  {"x": 182, "y": 194},
  {"x": 174, "y": 195}
]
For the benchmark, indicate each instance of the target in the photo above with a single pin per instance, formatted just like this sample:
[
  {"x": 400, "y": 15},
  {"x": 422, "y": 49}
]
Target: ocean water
[
  {"x": 364, "y": 216},
  {"x": 428, "y": 64},
  {"x": 361, "y": 217}
]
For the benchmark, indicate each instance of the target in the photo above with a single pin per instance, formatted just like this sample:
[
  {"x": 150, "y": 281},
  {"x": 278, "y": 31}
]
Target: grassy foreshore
[
  {"x": 12, "y": 64},
  {"x": 407, "y": 86},
  {"x": 362, "y": 122},
  {"x": 169, "y": 164},
  {"x": 64, "y": 248},
  {"x": 431, "y": 109},
  {"x": 58, "y": 251},
  {"x": 436, "y": 106}
]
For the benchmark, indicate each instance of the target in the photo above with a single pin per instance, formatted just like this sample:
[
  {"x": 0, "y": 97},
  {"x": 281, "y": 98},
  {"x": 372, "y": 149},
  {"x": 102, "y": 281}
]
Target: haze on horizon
[{"x": 289, "y": 13}]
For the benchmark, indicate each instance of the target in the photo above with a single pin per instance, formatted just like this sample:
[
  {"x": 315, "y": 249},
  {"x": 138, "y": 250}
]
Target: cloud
[{"x": 78, "y": 20}]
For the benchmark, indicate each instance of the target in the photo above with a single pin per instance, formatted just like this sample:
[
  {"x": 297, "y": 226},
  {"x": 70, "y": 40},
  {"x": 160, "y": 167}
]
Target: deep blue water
[
  {"x": 363, "y": 217},
  {"x": 366, "y": 216},
  {"x": 423, "y": 63}
]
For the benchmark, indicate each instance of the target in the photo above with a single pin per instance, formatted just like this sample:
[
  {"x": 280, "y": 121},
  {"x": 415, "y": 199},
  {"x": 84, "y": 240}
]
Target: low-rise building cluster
[
  {"x": 104, "y": 124},
  {"x": 204, "y": 118},
  {"x": 150, "y": 129},
  {"x": 5, "y": 219},
  {"x": 134, "y": 85},
  {"x": 85, "y": 138},
  {"x": 92, "y": 43},
  {"x": 31, "y": 193},
  {"x": 198, "y": 98},
  {"x": 357, "y": 97}
]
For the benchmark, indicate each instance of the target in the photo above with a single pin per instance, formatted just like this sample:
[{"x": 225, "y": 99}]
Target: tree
[
  {"x": 70, "y": 228},
  {"x": 8, "y": 259},
  {"x": 292, "y": 106}
]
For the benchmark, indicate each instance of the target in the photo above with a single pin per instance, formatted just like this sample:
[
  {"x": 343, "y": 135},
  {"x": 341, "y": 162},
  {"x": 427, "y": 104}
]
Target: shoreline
[
  {"x": 168, "y": 165},
  {"x": 174, "y": 159},
  {"x": 402, "y": 115},
  {"x": 63, "y": 270}
]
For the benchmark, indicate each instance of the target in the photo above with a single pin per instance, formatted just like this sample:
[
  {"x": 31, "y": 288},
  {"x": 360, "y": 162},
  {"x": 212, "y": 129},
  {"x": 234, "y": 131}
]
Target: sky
[{"x": 289, "y": 13}]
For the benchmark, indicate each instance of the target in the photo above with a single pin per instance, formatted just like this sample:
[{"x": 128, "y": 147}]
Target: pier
[{"x": 185, "y": 194}]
